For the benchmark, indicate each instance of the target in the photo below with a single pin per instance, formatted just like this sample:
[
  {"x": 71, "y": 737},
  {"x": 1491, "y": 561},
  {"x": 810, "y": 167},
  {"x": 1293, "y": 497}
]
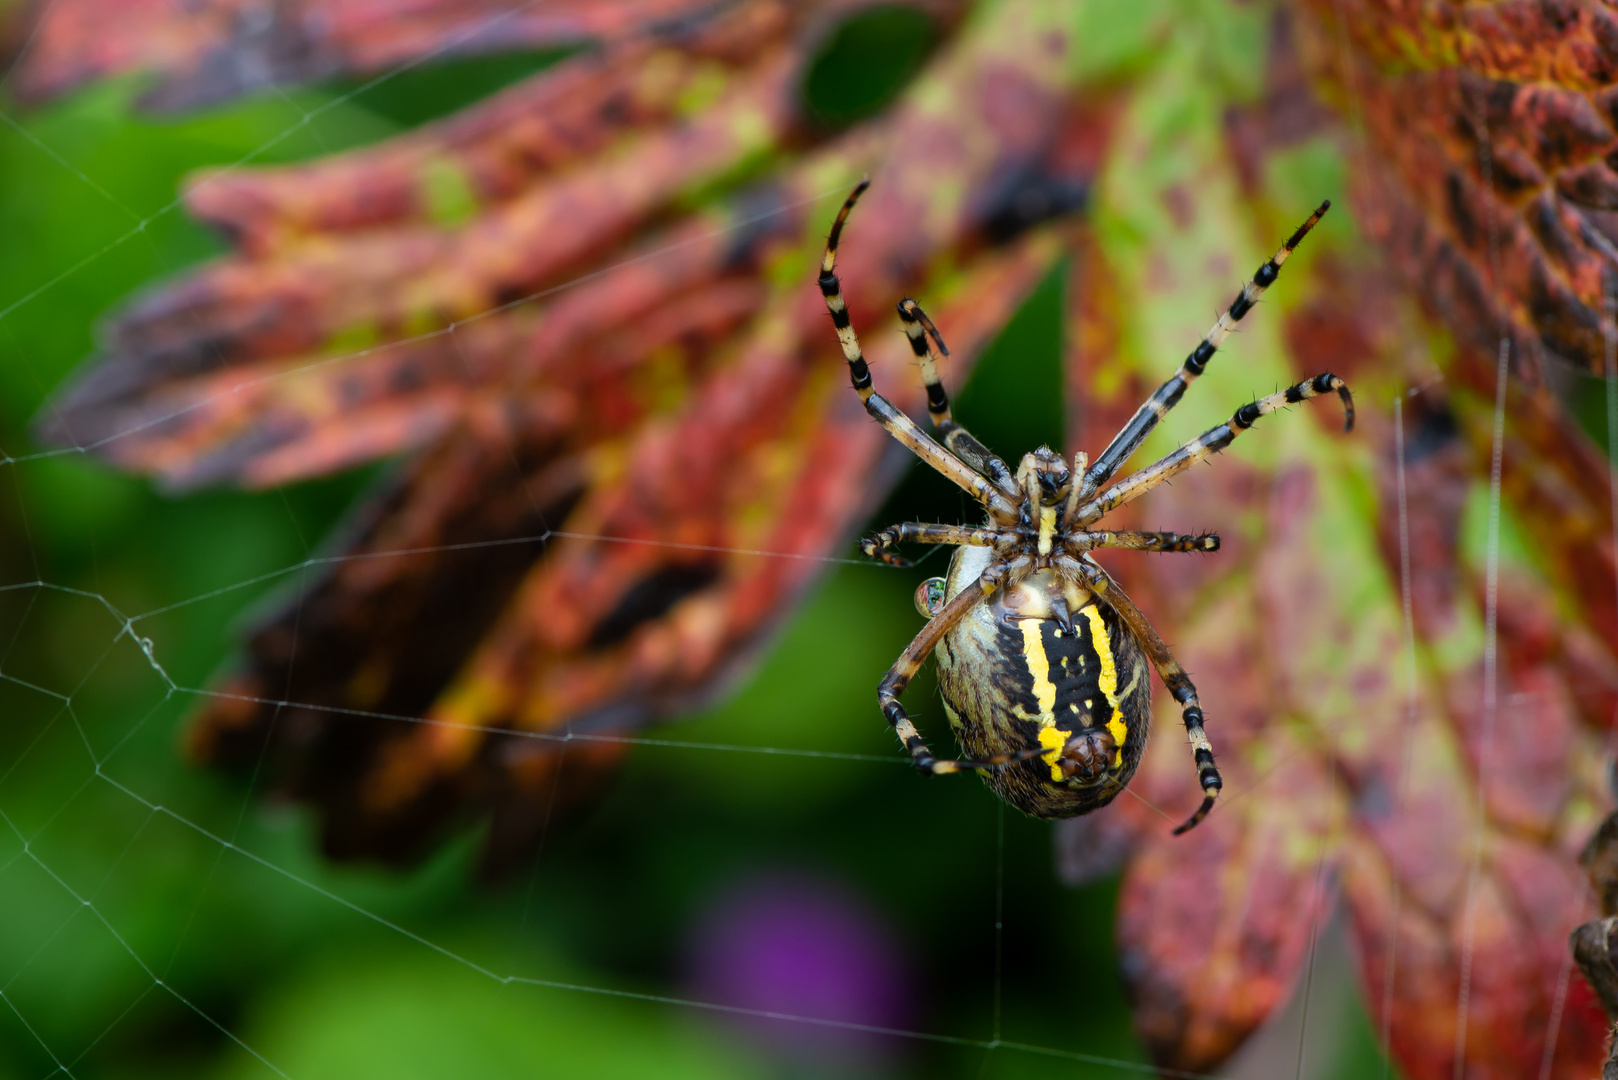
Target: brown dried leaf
[
  {"x": 574, "y": 550},
  {"x": 217, "y": 49}
]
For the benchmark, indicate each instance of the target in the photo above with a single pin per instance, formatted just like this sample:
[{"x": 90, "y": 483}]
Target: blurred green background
[{"x": 159, "y": 920}]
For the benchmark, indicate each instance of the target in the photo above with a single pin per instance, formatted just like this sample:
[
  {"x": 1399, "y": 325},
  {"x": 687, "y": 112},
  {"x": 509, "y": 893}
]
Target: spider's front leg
[
  {"x": 998, "y": 503},
  {"x": 1154, "y": 408},
  {"x": 1168, "y": 669},
  {"x": 904, "y": 669},
  {"x": 1214, "y": 440},
  {"x": 923, "y": 336}
]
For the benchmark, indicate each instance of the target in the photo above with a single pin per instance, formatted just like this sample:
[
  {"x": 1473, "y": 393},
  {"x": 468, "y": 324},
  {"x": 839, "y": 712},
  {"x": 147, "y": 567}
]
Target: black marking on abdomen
[
  {"x": 1076, "y": 673},
  {"x": 1072, "y": 667}
]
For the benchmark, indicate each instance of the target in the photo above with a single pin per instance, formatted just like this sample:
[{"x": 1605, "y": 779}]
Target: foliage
[{"x": 578, "y": 312}]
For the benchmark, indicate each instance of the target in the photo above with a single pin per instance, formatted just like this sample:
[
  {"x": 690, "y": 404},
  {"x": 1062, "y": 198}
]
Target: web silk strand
[
  {"x": 1408, "y": 617},
  {"x": 1491, "y": 612}
]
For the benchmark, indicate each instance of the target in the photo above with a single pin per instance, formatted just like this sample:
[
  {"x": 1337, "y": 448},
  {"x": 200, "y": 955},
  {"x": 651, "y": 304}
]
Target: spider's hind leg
[
  {"x": 1173, "y": 676},
  {"x": 904, "y": 669}
]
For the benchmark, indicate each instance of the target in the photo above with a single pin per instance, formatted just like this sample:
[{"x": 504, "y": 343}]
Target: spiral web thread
[{"x": 127, "y": 630}]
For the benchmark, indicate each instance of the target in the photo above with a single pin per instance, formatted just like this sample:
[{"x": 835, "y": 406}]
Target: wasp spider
[{"x": 1041, "y": 656}]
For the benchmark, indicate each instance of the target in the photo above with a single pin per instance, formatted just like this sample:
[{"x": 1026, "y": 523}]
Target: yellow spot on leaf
[{"x": 449, "y": 196}]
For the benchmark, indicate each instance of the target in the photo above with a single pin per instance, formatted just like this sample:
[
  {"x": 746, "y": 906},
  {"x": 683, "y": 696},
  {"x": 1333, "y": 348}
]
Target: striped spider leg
[
  {"x": 1154, "y": 408},
  {"x": 922, "y": 334},
  {"x": 1153, "y": 541},
  {"x": 878, "y": 545},
  {"x": 994, "y": 491},
  {"x": 994, "y": 578},
  {"x": 1136, "y": 485},
  {"x": 1209, "y": 442},
  {"x": 1168, "y": 669},
  {"x": 1214, "y": 440},
  {"x": 999, "y": 506},
  {"x": 1044, "y": 662}
]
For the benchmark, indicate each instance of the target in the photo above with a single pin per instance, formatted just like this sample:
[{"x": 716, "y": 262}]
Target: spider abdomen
[{"x": 1014, "y": 678}]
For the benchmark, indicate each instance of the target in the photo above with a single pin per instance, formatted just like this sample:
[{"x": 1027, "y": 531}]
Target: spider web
[
  {"x": 167, "y": 903},
  {"x": 96, "y": 760}
]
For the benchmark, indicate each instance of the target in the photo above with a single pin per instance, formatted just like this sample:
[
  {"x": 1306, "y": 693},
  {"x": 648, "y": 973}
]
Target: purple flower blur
[{"x": 801, "y": 946}]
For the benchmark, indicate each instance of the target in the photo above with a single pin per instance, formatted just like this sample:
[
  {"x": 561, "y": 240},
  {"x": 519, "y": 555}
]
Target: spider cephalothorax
[{"x": 1041, "y": 657}]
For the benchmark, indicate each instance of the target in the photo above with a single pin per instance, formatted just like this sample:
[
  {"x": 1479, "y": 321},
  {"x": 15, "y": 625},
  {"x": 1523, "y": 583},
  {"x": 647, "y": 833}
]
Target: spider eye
[{"x": 930, "y": 597}]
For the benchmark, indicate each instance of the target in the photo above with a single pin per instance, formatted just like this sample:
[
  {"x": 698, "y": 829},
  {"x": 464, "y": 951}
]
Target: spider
[{"x": 1041, "y": 656}]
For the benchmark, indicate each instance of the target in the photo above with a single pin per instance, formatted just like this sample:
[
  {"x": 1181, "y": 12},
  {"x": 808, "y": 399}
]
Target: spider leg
[
  {"x": 1168, "y": 669},
  {"x": 960, "y": 442},
  {"x": 1132, "y": 434},
  {"x": 1155, "y": 541},
  {"x": 877, "y": 546},
  {"x": 898, "y": 425},
  {"x": 1213, "y": 440},
  {"x": 904, "y": 669}
]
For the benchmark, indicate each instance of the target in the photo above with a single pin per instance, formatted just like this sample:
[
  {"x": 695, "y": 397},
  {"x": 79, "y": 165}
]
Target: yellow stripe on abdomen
[
  {"x": 1108, "y": 681},
  {"x": 1039, "y": 666}
]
